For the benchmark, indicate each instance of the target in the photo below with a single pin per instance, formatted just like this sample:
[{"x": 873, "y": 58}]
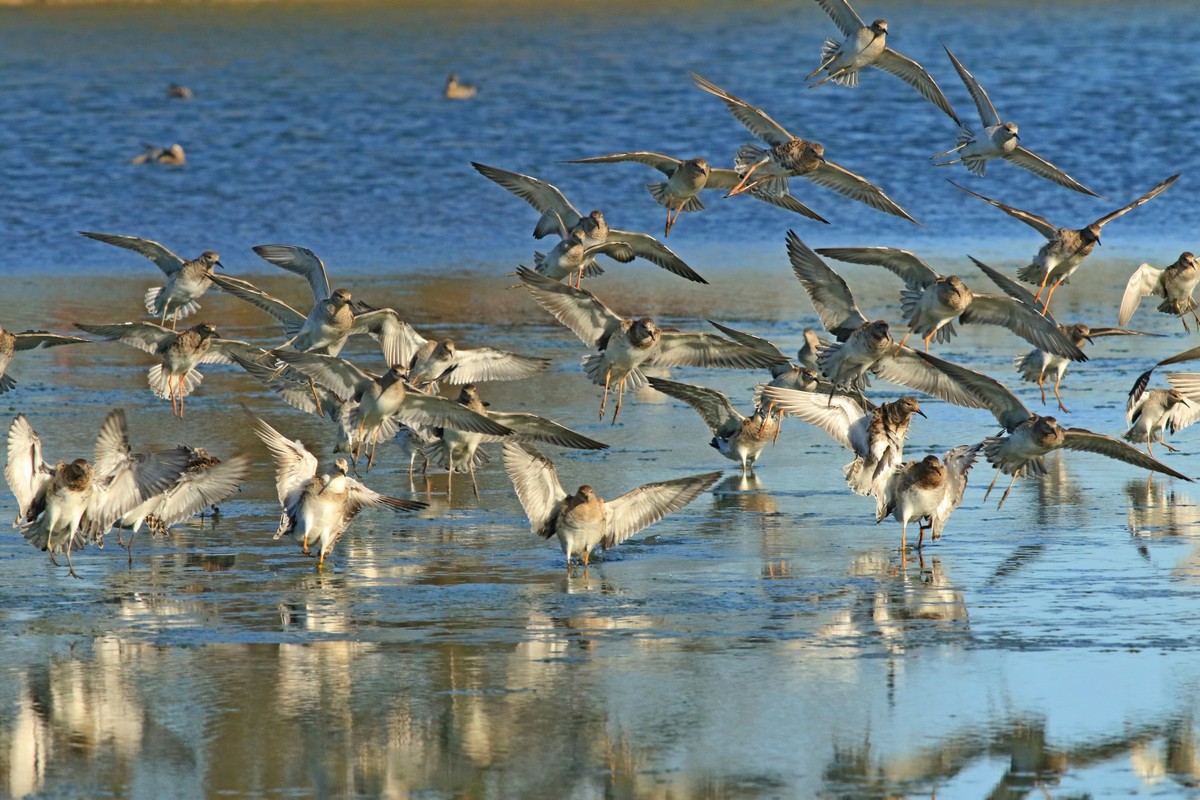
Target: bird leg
[
  {"x": 474, "y": 483},
  {"x": 1041, "y": 382},
  {"x": 1046, "y": 307},
  {"x": 449, "y": 475},
  {"x": 992, "y": 485},
  {"x": 1042, "y": 288},
  {"x": 1057, "y": 396},
  {"x": 604, "y": 397},
  {"x": 1009, "y": 489},
  {"x": 927, "y": 338},
  {"x": 128, "y": 546},
  {"x": 742, "y": 187},
  {"x": 1197, "y": 318},
  {"x": 899, "y": 346},
  {"x": 1163, "y": 442},
  {"x": 620, "y": 396},
  {"x": 903, "y": 537},
  {"x": 70, "y": 566},
  {"x": 921, "y": 536}
]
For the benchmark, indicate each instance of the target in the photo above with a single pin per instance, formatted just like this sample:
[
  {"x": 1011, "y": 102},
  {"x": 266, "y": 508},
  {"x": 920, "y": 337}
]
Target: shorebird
[
  {"x": 384, "y": 400},
  {"x": 1065, "y": 248},
  {"x": 791, "y": 156},
  {"x": 926, "y": 489},
  {"x": 429, "y": 361},
  {"x": 186, "y": 280},
  {"x": 558, "y": 215},
  {"x": 1174, "y": 284},
  {"x": 456, "y": 90},
  {"x": 172, "y": 156},
  {"x": 60, "y": 507},
  {"x": 582, "y": 521},
  {"x": 333, "y": 317},
  {"x": 458, "y": 451},
  {"x": 11, "y": 343},
  {"x": 1152, "y": 413},
  {"x": 318, "y": 508},
  {"x": 180, "y": 353},
  {"x": 866, "y": 46},
  {"x": 175, "y": 91},
  {"x": 1034, "y": 365},
  {"x": 625, "y": 344},
  {"x": 998, "y": 140},
  {"x": 735, "y": 436},
  {"x": 931, "y": 302},
  {"x": 686, "y": 179},
  {"x": 875, "y": 434}
]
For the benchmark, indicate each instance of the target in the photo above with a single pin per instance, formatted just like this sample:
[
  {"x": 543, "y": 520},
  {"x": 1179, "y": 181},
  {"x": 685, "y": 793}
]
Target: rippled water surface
[{"x": 767, "y": 641}]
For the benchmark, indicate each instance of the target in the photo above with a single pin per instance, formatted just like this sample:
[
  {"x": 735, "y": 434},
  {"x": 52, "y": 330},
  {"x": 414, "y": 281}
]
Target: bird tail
[
  {"x": 6, "y": 383},
  {"x": 1029, "y": 365},
  {"x": 829, "y": 52},
  {"x": 152, "y": 304},
  {"x": 747, "y": 156},
  {"x": 159, "y": 382},
  {"x": 634, "y": 381},
  {"x": 659, "y": 192},
  {"x": 1176, "y": 307},
  {"x": 1031, "y": 273},
  {"x": 856, "y": 476}
]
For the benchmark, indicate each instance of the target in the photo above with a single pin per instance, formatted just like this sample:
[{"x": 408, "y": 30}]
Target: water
[{"x": 767, "y": 641}]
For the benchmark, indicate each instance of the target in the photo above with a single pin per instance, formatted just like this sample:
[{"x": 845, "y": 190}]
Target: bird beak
[
  {"x": 1090, "y": 339},
  {"x": 219, "y": 264},
  {"x": 922, "y": 413}
]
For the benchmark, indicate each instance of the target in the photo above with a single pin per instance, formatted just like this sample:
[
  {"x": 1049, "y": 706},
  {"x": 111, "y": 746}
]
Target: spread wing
[
  {"x": 905, "y": 265},
  {"x": 830, "y": 295},
  {"x": 578, "y": 309},
  {"x": 547, "y": 200},
  {"x": 656, "y": 252},
  {"x": 163, "y": 258},
  {"x": 531, "y": 426},
  {"x": 200, "y": 488},
  {"x": 752, "y": 341},
  {"x": 302, "y": 262},
  {"x": 1145, "y": 281},
  {"x": 838, "y": 415},
  {"x": 915, "y": 76},
  {"x": 846, "y": 183},
  {"x": 358, "y": 495},
  {"x": 396, "y": 337},
  {"x": 438, "y": 412},
  {"x": 26, "y": 472},
  {"x": 31, "y": 340},
  {"x": 1039, "y": 166},
  {"x": 536, "y": 483},
  {"x": 337, "y": 374},
  {"x": 843, "y": 16},
  {"x": 145, "y": 336},
  {"x": 647, "y": 504},
  {"x": 708, "y": 350},
  {"x": 1039, "y": 224},
  {"x": 987, "y": 111},
  {"x": 485, "y": 364},
  {"x": 713, "y": 407},
  {"x": 295, "y": 467},
  {"x": 290, "y": 318},
  {"x": 1150, "y": 195},
  {"x": 758, "y": 123},
  {"x": 664, "y": 164},
  {"x": 1040, "y": 331},
  {"x": 1082, "y": 439}
]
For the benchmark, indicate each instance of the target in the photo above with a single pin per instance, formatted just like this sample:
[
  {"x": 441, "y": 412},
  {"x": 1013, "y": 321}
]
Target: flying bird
[
  {"x": 12, "y": 343},
  {"x": 1174, "y": 284}
]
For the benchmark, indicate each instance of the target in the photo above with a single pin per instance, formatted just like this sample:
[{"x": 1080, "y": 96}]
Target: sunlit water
[{"x": 768, "y": 640}]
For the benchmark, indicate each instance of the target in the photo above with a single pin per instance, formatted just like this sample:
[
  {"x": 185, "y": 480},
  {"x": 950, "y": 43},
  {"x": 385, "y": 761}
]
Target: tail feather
[
  {"x": 659, "y": 192},
  {"x": 6, "y": 383},
  {"x": 160, "y": 383},
  {"x": 747, "y": 156}
]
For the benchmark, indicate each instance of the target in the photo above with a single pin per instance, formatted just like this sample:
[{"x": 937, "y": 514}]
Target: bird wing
[
  {"x": 838, "y": 415},
  {"x": 358, "y": 495},
  {"x": 1145, "y": 281},
  {"x": 910, "y": 269},
  {"x": 713, "y": 407},
  {"x": 124, "y": 480},
  {"x": 578, "y": 309},
  {"x": 843, "y": 16},
  {"x": 1039, "y": 224},
  {"x": 1039, "y": 166},
  {"x": 26, "y": 472},
  {"x": 1095, "y": 332},
  {"x": 830, "y": 295},
  {"x": 1186, "y": 382},
  {"x": 337, "y": 374},
  {"x": 485, "y": 364},
  {"x": 953, "y": 383},
  {"x": 1082, "y": 439},
  {"x": 145, "y": 336},
  {"x": 290, "y": 318},
  {"x": 302, "y": 262},
  {"x": 438, "y": 412},
  {"x": 775, "y": 192},
  {"x": 958, "y": 461},
  {"x": 1023, "y": 320},
  {"x": 915, "y": 76},
  {"x": 757, "y": 122},
  {"x": 200, "y": 488},
  {"x": 31, "y": 340},
  {"x": 536, "y": 483},
  {"x": 1182, "y": 415},
  {"x": 647, "y": 504},
  {"x": 677, "y": 349},
  {"x": 664, "y": 164},
  {"x": 987, "y": 111},
  {"x": 846, "y": 183},
  {"x": 396, "y": 337},
  {"x": 547, "y": 200},
  {"x": 163, "y": 258},
  {"x": 221, "y": 351},
  {"x": 295, "y": 467},
  {"x": 1150, "y": 195},
  {"x": 532, "y": 427},
  {"x": 655, "y": 251},
  {"x": 1008, "y": 285},
  {"x": 752, "y": 341},
  {"x": 303, "y": 394}
]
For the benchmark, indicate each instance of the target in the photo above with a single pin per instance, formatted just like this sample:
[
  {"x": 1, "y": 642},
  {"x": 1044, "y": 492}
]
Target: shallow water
[{"x": 768, "y": 640}]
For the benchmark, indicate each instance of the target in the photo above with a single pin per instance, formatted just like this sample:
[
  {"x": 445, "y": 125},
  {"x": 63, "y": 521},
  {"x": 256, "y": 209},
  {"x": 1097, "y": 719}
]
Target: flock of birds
[{"x": 65, "y": 505}]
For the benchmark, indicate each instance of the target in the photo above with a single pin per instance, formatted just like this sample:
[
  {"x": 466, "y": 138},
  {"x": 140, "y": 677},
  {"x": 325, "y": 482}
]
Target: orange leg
[
  {"x": 604, "y": 397},
  {"x": 1057, "y": 396},
  {"x": 741, "y": 187},
  {"x": 617, "y": 410}
]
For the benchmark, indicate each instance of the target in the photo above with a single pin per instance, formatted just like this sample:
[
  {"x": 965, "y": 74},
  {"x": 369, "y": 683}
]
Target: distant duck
[
  {"x": 158, "y": 155},
  {"x": 459, "y": 91},
  {"x": 180, "y": 92}
]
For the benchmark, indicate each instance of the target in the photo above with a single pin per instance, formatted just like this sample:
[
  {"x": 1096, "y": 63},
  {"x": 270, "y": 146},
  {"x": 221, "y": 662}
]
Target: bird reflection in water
[{"x": 745, "y": 494}]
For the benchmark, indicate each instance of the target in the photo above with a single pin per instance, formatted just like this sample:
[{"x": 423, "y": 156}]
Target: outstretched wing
[
  {"x": 664, "y": 164},
  {"x": 843, "y": 16},
  {"x": 1082, "y": 439},
  {"x": 1145, "y": 281},
  {"x": 26, "y": 472},
  {"x": 531, "y": 426},
  {"x": 915, "y": 76},
  {"x": 547, "y": 200},
  {"x": 31, "y": 340},
  {"x": 536, "y": 483},
  {"x": 713, "y": 407},
  {"x": 485, "y": 364},
  {"x": 987, "y": 111},
  {"x": 1150, "y": 195},
  {"x": 655, "y": 252},
  {"x": 301, "y": 261},
  {"x": 1027, "y": 159},
  {"x": 830, "y": 295},
  {"x": 905, "y": 265},
  {"x": 578, "y": 309},
  {"x": 757, "y": 122},
  {"x": 145, "y": 336},
  {"x": 163, "y": 258},
  {"x": 1039, "y": 224},
  {"x": 295, "y": 467},
  {"x": 647, "y": 504},
  {"x": 846, "y": 183},
  {"x": 290, "y": 318}
]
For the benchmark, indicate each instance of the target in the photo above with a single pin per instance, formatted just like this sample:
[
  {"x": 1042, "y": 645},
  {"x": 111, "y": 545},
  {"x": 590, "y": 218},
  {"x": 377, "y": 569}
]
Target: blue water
[{"x": 769, "y": 640}]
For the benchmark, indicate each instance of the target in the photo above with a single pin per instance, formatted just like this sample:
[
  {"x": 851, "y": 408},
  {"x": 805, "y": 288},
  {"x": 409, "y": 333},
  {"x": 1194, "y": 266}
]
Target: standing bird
[
  {"x": 1153, "y": 413},
  {"x": 626, "y": 344},
  {"x": 11, "y": 342},
  {"x": 559, "y": 216},
  {"x": 331, "y": 320},
  {"x": 171, "y": 156},
  {"x": 458, "y": 451},
  {"x": 998, "y": 140},
  {"x": 1174, "y": 284},
  {"x": 1065, "y": 248},
  {"x": 866, "y": 46},
  {"x": 59, "y": 507},
  {"x": 180, "y": 353},
  {"x": 685, "y": 180},
  {"x": 582, "y": 521},
  {"x": 318, "y": 508},
  {"x": 790, "y": 156},
  {"x": 735, "y": 436},
  {"x": 1035, "y": 364},
  {"x": 926, "y": 489},
  {"x": 874, "y": 434},
  {"x": 457, "y": 90},
  {"x": 932, "y": 302},
  {"x": 186, "y": 280}
]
